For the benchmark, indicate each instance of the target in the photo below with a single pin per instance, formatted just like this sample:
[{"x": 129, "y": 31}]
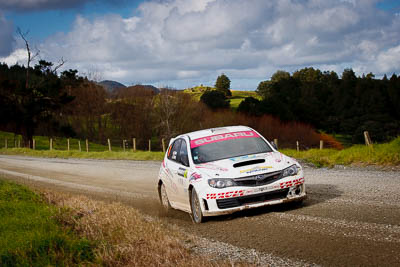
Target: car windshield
[{"x": 229, "y": 149}]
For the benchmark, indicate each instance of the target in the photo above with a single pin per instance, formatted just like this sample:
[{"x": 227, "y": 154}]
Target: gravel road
[{"x": 351, "y": 216}]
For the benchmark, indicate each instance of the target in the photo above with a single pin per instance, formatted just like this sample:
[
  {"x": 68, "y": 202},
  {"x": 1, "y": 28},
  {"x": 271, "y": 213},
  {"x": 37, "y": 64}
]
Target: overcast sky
[{"x": 184, "y": 43}]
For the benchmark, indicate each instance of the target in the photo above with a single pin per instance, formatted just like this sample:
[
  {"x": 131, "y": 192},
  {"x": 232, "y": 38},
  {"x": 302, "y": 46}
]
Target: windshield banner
[{"x": 222, "y": 137}]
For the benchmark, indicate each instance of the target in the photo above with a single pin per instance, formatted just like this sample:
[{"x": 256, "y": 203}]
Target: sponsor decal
[
  {"x": 174, "y": 187},
  {"x": 282, "y": 185},
  {"x": 222, "y": 137},
  {"x": 195, "y": 177},
  {"x": 240, "y": 193},
  {"x": 256, "y": 169},
  {"x": 291, "y": 183},
  {"x": 211, "y": 167},
  {"x": 280, "y": 158},
  {"x": 243, "y": 157},
  {"x": 230, "y": 194},
  {"x": 182, "y": 172}
]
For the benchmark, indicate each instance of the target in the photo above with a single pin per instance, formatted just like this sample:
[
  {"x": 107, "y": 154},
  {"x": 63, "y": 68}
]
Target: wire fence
[{"x": 57, "y": 143}]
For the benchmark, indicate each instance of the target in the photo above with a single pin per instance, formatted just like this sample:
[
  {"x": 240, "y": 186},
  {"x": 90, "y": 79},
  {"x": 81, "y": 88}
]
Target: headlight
[
  {"x": 290, "y": 171},
  {"x": 221, "y": 183}
]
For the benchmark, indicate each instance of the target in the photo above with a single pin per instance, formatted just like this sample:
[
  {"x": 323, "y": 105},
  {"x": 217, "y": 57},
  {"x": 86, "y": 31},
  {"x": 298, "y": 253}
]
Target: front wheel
[
  {"x": 197, "y": 215},
  {"x": 164, "y": 199}
]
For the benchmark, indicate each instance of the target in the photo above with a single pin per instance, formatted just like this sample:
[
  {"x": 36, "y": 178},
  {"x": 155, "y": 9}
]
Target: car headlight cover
[
  {"x": 290, "y": 171},
  {"x": 221, "y": 183}
]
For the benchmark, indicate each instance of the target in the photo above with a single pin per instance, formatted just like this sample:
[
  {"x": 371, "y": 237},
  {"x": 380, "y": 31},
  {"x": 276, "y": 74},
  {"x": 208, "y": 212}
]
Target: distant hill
[
  {"x": 111, "y": 86},
  {"x": 135, "y": 91},
  {"x": 145, "y": 87}
]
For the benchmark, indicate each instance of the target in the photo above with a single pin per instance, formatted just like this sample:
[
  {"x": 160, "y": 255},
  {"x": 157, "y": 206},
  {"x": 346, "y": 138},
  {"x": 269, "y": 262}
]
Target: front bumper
[{"x": 241, "y": 198}]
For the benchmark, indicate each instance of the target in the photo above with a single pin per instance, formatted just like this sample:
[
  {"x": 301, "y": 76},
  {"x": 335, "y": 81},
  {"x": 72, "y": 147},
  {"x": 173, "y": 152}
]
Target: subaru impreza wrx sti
[{"x": 223, "y": 170}]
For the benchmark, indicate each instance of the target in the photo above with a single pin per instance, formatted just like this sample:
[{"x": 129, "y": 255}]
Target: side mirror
[
  {"x": 274, "y": 145},
  {"x": 185, "y": 160}
]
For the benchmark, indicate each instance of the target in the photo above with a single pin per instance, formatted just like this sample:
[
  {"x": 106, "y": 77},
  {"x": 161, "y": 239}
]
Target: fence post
[
  {"x": 51, "y": 143},
  {"x": 134, "y": 144},
  {"x": 33, "y": 144},
  {"x": 367, "y": 138},
  {"x": 149, "y": 145},
  {"x": 6, "y": 143},
  {"x": 163, "y": 145},
  {"x": 19, "y": 143},
  {"x": 297, "y": 145},
  {"x": 79, "y": 146},
  {"x": 68, "y": 144},
  {"x": 15, "y": 144},
  {"x": 87, "y": 145},
  {"x": 321, "y": 144},
  {"x": 276, "y": 143},
  {"x": 109, "y": 144},
  {"x": 123, "y": 144}
]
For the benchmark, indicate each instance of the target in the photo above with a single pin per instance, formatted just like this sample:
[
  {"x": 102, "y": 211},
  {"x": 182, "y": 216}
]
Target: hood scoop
[{"x": 249, "y": 162}]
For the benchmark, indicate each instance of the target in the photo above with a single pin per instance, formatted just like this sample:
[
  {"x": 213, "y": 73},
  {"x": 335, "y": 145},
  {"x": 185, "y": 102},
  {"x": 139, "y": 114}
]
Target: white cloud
[
  {"x": 186, "y": 41},
  {"x": 389, "y": 60},
  {"x": 19, "y": 57}
]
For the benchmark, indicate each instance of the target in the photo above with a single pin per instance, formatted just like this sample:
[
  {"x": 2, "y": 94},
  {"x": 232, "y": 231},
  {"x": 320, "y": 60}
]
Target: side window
[
  {"x": 174, "y": 151},
  {"x": 183, "y": 154}
]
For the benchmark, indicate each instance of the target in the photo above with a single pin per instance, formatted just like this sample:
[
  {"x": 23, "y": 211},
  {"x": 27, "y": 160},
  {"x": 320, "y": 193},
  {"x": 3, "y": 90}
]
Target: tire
[
  {"x": 164, "y": 199},
  {"x": 197, "y": 215}
]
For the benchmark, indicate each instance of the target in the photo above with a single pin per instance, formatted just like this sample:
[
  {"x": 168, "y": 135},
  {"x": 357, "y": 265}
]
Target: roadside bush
[{"x": 215, "y": 99}]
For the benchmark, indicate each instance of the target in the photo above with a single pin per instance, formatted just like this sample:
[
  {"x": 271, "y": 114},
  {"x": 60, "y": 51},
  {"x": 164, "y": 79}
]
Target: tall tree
[
  {"x": 27, "y": 107},
  {"x": 223, "y": 84},
  {"x": 215, "y": 99}
]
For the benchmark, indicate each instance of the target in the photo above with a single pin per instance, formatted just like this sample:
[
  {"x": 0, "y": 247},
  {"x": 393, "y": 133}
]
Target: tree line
[
  {"x": 348, "y": 105},
  {"x": 68, "y": 105}
]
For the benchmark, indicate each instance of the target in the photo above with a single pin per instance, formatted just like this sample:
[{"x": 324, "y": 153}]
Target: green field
[
  {"x": 30, "y": 234},
  {"x": 239, "y": 96},
  {"x": 378, "y": 154},
  {"x": 387, "y": 154},
  {"x": 59, "y": 143},
  {"x": 235, "y": 99}
]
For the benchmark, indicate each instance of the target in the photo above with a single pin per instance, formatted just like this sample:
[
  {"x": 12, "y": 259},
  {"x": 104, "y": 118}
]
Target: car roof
[{"x": 215, "y": 131}]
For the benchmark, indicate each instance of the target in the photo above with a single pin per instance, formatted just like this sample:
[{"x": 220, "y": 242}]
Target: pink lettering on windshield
[{"x": 222, "y": 137}]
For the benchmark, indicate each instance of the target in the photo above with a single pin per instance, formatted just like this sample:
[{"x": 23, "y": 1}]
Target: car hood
[{"x": 246, "y": 165}]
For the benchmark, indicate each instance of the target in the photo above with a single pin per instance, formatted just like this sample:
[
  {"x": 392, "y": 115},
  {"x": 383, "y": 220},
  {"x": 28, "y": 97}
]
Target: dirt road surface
[{"x": 351, "y": 216}]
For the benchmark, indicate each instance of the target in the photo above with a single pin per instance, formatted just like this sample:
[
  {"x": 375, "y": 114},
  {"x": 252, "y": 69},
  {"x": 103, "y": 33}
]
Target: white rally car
[{"x": 224, "y": 170}]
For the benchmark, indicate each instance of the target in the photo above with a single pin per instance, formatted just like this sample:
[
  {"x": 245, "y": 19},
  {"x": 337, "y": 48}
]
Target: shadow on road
[{"x": 316, "y": 194}]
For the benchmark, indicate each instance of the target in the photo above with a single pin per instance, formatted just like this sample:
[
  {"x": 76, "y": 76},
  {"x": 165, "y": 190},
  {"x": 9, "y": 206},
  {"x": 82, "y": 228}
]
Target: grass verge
[
  {"x": 31, "y": 236},
  {"x": 137, "y": 155},
  {"x": 387, "y": 154},
  {"x": 59, "y": 229}
]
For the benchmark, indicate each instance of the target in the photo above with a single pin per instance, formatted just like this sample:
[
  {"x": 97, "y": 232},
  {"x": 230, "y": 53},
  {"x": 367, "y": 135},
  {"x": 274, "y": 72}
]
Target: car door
[
  {"x": 172, "y": 167},
  {"x": 179, "y": 168},
  {"x": 184, "y": 174}
]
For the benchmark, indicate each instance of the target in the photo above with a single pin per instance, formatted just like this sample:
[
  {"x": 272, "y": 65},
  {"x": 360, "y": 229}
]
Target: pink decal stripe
[{"x": 222, "y": 137}]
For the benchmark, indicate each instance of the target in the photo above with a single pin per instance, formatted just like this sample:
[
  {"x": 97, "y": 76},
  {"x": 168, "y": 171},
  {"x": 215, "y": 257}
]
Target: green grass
[
  {"x": 30, "y": 234},
  {"x": 59, "y": 143},
  {"x": 235, "y": 99},
  {"x": 387, "y": 154},
  {"x": 238, "y": 96},
  {"x": 137, "y": 155}
]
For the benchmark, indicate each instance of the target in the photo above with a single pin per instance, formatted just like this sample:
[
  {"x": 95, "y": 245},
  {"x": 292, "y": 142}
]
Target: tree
[
  {"x": 30, "y": 96},
  {"x": 215, "y": 99},
  {"x": 280, "y": 75},
  {"x": 25, "y": 108},
  {"x": 223, "y": 84},
  {"x": 250, "y": 105}
]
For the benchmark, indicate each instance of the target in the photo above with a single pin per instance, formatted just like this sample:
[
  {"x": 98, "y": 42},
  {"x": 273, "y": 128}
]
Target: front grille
[
  {"x": 240, "y": 201},
  {"x": 258, "y": 180}
]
